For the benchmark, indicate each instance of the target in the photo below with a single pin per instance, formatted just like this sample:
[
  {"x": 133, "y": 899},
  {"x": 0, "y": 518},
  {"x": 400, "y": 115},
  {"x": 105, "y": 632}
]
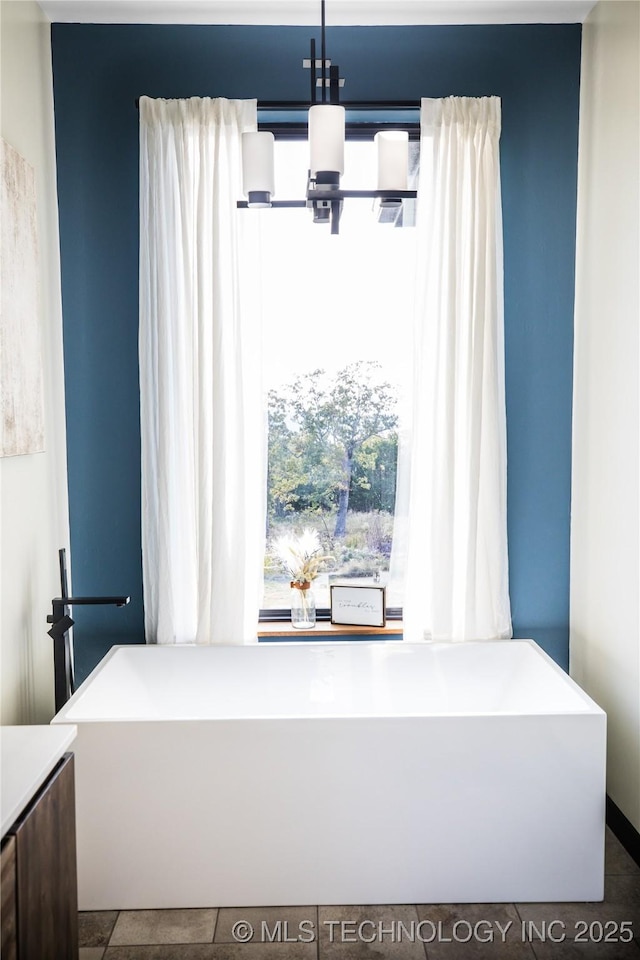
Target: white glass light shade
[
  {"x": 393, "y": 159},
  {"x": 326, "y": 138},
  {"x": 257, "y": 164}
]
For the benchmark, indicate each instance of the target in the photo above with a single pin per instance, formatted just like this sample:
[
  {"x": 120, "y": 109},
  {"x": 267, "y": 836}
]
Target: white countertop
[{"x": 27, "y": 755}]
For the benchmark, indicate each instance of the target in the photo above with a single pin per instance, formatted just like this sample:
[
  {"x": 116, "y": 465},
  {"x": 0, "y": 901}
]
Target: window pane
[{"x": 336, "y": 314}]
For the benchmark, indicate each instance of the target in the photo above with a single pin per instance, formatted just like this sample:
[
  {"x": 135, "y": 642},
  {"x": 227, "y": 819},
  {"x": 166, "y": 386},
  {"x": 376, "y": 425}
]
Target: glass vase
[{"x": 303, "y": 605}]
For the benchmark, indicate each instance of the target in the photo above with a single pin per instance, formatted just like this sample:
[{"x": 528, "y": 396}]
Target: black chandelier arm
[
  {"x": 363, "y": 194},
  {"x": 244, "y": 204},
  {"x": 337, "y": 195}
]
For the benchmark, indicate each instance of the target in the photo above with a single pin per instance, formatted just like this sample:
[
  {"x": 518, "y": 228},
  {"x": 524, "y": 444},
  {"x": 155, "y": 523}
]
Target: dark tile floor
[{"x": 518, "y": 931}]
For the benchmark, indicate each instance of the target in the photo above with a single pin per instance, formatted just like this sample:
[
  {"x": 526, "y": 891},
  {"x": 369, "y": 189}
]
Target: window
[{"x": 336, "y": 314}]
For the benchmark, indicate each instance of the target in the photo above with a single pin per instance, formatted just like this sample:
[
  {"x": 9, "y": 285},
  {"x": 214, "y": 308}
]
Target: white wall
[
  {"x": 33, "y": 491},
  {"x": 605, "y": 574}
]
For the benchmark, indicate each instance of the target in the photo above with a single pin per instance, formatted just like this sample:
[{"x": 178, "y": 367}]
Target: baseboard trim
[{"x": 623, "y": 829}]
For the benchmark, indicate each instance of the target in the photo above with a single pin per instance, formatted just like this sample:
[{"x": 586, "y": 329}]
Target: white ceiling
[{"x": 307, "y": 12}]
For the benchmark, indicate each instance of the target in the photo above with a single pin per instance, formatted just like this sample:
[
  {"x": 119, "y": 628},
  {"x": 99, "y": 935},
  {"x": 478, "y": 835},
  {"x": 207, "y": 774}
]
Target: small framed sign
[{"x": 358, "y": 605}]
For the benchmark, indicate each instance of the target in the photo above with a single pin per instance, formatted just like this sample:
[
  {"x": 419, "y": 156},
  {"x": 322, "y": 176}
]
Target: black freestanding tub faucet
[{"x": 63, "y": 660}]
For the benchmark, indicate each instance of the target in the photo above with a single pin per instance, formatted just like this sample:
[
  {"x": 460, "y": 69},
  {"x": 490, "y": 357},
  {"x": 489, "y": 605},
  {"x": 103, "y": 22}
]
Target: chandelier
[{"x": 326, "y": 134}]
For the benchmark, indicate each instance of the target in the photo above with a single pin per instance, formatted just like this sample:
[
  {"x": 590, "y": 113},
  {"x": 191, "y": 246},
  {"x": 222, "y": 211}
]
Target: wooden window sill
[{"x": 324, "y": 628}]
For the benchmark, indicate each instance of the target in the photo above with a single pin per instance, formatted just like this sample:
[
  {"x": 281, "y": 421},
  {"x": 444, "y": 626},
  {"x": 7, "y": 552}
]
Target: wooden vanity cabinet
[
  {"x": 39, "y": 879},
  {"x": 9, "y": 950}
]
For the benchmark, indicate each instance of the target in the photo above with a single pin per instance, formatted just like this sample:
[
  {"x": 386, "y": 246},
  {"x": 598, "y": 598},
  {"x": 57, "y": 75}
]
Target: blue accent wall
[{"x": 99, "y": 70}]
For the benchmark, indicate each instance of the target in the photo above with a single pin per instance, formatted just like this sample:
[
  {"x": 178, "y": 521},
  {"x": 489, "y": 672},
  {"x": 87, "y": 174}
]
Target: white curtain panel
[
  {"x": 202, "y": 420},
  {"x": 452, "y": 471}
]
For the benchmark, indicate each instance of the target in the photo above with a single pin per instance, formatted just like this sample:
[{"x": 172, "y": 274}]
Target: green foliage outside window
[{"x": 332, "y": 466}]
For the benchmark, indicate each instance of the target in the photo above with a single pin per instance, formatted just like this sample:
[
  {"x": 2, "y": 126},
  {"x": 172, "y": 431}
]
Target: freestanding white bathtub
[{"x": 336, "y": 773}]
